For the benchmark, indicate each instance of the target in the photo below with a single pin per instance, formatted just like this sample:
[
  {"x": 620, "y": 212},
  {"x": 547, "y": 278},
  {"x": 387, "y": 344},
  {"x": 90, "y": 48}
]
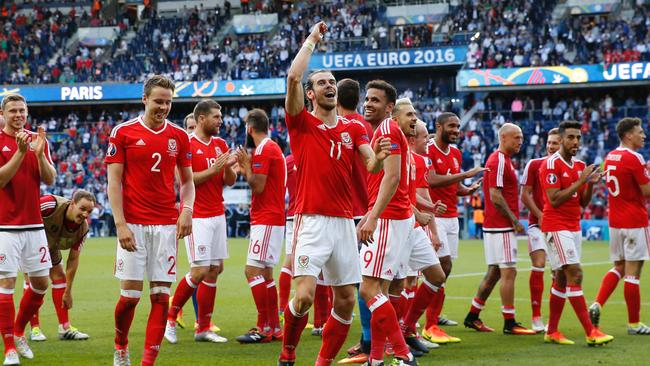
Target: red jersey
[
  {"x": 324, "y": 157},
  {"x": 531, "y": 179},
  {"x": 208, "y": 201},
  {"x": 48, "y": 206},
  {"x": 418, "y": 177},
  {"x": 501, "y": 174},
  {"x": 267, "y": 208},
  {"x": 150, "y": 158},
  {"x": 445, "y": 164},
  {"x": 626, "y": 172},
  {"x": 360, "y": 174},
  {"x": 20, "y": 208},
  {"x": 291, "y": 185},
  {"x": 557, "y": 173},
  {"x": 399, "y": 207}
]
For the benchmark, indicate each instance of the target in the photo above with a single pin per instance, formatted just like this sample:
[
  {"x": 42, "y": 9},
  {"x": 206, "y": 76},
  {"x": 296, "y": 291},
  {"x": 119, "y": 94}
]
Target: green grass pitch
[{"x": 96, "y": 290}]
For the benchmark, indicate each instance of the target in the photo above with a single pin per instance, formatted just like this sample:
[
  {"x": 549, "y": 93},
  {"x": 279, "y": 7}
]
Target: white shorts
[
  {"x": 207, "y": 245},
  {"x": 422, "y": 254},
  {"x": 563, "y": 248},
  {"x": 500, "y": 249},
  {"x": 327, "y": 244},
  {"x": 535, "y": 239},
  {"x": 629, "y": 244},
  {"x": 288, "y": 237},
  {"x": 155, "y": 253},
  {"x": 23, "y": 251},
  {"x": 265, "y": 246},
  {"x": 448, "y": 233},
  {"x": 390, "y": 249}
]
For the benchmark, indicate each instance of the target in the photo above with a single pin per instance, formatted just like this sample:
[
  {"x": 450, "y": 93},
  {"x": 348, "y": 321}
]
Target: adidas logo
[
  {"x": 565, "y": 175},
  {"x": 140, "y": 143},
  {"x": 6, "y": 148},
  {"x": 199, "y": 152},
  {"x": 439, "y": 161}
]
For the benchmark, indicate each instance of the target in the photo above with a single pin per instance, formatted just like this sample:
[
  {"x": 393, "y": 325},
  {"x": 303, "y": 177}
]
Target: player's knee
[
  {"x": 198, "y": 273},
  {"x": 344, "y": 302},
  {"x": 436, "y": 276},
  {"x": 446, "y": 265},
  {"x": 620, "y": 267},
  {"x": 252, "y": 271},
  {"x": 302, "y": 301}
]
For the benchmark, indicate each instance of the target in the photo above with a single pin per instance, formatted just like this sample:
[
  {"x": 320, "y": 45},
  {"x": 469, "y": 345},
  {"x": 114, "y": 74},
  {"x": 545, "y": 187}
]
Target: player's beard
[{"x": 250, "y": 143}]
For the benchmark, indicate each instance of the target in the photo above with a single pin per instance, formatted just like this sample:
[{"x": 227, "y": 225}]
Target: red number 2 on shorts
[
  {"x": 172, "y": 267},
  {"x": 43, "y": 251},
  {"x": 367, "y": 257}
]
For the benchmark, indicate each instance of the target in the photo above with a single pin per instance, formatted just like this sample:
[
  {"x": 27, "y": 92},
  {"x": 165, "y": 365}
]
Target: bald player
[{"x": 501, "y": 192}]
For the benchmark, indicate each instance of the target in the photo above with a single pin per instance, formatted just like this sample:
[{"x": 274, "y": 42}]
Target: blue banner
[
  {"x": 412, "y": 57},
  {"x": 117, "y": 92},
  {"x": 576, "y": 74}
]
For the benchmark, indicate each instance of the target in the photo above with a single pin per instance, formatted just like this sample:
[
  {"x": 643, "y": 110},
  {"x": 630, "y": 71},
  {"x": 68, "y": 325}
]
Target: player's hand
[
  {"x": 184, "y": 224},
  {"x": 67, "y": 300},
  {"x": 221, "y": 161},
  {"x": 475, "y": 186},
  {"x": 318, "y": 32},
  {"x": 232, "y": 160},
  {"x": 519, "y": 228},
  {"x": 40, "y": 142},
  {"x": 423, "y": 218},
  {"x": 382, "y": 148},
  {"x": 475, "y": 171},
  {"x": 435, "y": 241},
  {"x": 585, "y": 176},
  {"x": 439, "y": 208},
  {"x": 126, "y": 238},
  {"x": 22, "y": 140},
  {"x": 596, "y": 176},
  {"x": 365, "y": 231},
  {"x": 244, "y": 159}
]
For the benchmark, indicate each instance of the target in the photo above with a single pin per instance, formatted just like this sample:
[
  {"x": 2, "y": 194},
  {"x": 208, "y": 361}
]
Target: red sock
[
  {"x": 124, "y": 312},
  {"x": 477, "y": 306},
  {"x": 536, "y": 283},
  {"x": 321, "y": 306},
  {"x": 334, "y": 333},
  {"x": 258, "y": 288},
  {"x": 577, "y": 300},
  {"x": 397, "y": 304},
  {"x": 632, "y": 298},
  {"x": 58, "y": 288},
  {"x": 285, "y": 287},
  {"x": 205, "y": 296},
  {"x": 272, "y": 305},
  {"x": 7, "y": 314},
  {"x": 410, "y": 297},
  {"x": 383, "y": 324},
  {"x": 155, "y": 324},
  {"x": 435, "y": 308},
  {"x": 426, "y": 294},
  {"x": 557, "y": 300},
  {"x": 183, "y": 292},
  {"x": 607, "y": 287},
  {"x": 29, "y": 305},
  {"x": 35, "y": 321},
  {"x": 508, "y": 312},
  {"x": 294, "y": 324}
]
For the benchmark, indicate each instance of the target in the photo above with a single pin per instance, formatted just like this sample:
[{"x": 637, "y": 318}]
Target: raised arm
[
  {"x": 295, "y": 100},
  {"x": 440, "y": 180}
]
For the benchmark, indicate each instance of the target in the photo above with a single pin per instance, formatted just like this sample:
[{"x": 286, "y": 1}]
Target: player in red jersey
[
  {"x": 286, "y": 273},
  {"x": 501, "y": 192},
  {"x": 445, "y": 180},
  {"x": 142, "y": 157},
  {"x": 24, "y": 163},
  {"x": 189, "y": 122},
  {"x": 66, "y": 228},
  {"x": 206, "y": 246},
  {"x": 385, "y": 230},
  {"x": 567, "y": 185},
  {"x": 532, "y": 196},
  {"x": 628, "y": 182},
  {"x": 324, "y": 147},
  {"x": 266, "y": 174}
]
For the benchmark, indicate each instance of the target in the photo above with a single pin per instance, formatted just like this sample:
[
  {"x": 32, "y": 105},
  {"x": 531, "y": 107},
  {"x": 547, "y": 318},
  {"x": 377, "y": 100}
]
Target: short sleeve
[
  {"x": 550, "y": 177},
  {"x": 527, "y": 178},
  {"x": 639, "y": 171},
  {"x": 360, "y": 135},
  {"x": 48, "y": 205},
  {"x": 115, "y": 152},
  {"x": 393, "y": 134},
  {"x": 184, "y": 157},
  {"x": 423, "y": 173},
  {"x": 261, "y": 162},
  {"x": 297, "y": 121},
  {"x": 496, "y": 167}
]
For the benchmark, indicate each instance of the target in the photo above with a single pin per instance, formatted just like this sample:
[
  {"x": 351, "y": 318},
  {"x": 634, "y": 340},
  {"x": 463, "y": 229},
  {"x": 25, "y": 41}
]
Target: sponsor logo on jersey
[
  {"x": 172, "y": 148},
  {"x": 140, "y": 143},
  {"x": 303, "y": 261},
  {"x": 394, "y": 146},
  {"x": 3, "y": 258},
  {"x": 112, "y": 149},
  {"x": 439, "y": 161},
  {"x": 551, "y": 178},
  {"x": 6, "y": 149}
]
